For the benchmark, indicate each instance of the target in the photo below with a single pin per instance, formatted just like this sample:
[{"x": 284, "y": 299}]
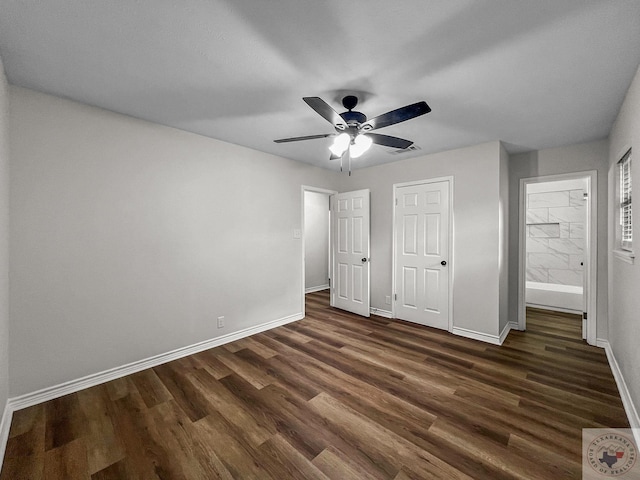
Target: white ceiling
[{"x": 534, "y": 74}]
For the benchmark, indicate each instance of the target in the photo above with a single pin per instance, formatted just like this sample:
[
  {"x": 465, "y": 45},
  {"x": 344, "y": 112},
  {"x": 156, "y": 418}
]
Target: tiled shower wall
[{"x": 555, "y": 236}]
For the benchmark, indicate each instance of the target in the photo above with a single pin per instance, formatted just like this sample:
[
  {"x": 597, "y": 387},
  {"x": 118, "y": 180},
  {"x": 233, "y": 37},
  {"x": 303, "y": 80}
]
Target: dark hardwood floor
[{"x": 335, "y": 396}]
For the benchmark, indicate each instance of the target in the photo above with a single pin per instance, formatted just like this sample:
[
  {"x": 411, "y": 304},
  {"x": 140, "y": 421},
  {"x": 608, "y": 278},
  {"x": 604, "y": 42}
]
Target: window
[{"x": 626, "y": 225}]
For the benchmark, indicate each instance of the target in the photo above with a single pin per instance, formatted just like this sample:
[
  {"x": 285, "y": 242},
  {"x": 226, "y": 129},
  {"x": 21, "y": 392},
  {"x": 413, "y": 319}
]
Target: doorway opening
[
  {"x": 558, "y": 248},
  {"x": 316, "y": 243}
]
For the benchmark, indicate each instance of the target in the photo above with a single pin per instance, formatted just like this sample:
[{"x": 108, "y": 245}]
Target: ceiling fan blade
[
  {"x": 396, "y": 116},
  {"x": 308, "y": 137},
  {"x": 326, "y": 111},
  {"x": 389, "y": 141}
]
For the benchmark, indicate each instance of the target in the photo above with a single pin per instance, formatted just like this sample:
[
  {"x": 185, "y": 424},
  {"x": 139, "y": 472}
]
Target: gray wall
[
  {"x": 476, "y": 187},
  {"x": 316, "y": 239},
  {"x": 553, "y": 161},
  {"x": 624, "y": 284},
  {"x": 4, "y": 241},
  {"x": 130, "y": 238},
  {"x": 503, "y": 260}
]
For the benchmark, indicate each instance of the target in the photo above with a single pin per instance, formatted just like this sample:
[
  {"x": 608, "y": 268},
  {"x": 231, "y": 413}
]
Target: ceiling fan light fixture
[
  {"x": 340, "y": 144},
  {"x": 353, "y": 127},
  {"x": 360, "y": 145}
]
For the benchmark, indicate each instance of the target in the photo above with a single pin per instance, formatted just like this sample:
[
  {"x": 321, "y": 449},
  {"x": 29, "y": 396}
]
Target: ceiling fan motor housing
[{"x": 354, "y": 118}]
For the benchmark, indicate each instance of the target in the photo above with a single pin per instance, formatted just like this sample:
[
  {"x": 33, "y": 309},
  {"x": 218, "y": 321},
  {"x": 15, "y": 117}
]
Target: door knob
[
  {"x": 443, "y": 263},
  {"x": 364, "y": 260}
]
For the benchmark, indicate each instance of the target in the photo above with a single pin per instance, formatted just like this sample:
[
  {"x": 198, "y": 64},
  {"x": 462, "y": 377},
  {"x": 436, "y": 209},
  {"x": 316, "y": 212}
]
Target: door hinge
[
  {"x": 584, "y": 315},
  {"x": 395, "y": 296},
  {"x": 396, "y": 202}
]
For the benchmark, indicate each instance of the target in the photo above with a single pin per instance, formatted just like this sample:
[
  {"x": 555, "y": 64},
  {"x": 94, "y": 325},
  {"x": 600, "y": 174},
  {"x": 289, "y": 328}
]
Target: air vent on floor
[{"x": 412, "y": 148}]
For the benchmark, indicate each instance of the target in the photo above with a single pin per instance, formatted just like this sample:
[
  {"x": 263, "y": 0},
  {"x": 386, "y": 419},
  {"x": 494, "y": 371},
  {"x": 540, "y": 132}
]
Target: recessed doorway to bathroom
[{"x": 556, "y": 246}]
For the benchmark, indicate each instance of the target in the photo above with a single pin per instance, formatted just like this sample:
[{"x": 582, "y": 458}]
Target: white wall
[
  {"x": 4, "y": 241},
  {"x": 316, "y": 240},
  {"x": 130, "y": 239},
  {"x": 570, "y": 159},
  {"x": 503, "y": 239},
  {"x": 476, "y": 192},
  {"x": 624, "y": 279}
]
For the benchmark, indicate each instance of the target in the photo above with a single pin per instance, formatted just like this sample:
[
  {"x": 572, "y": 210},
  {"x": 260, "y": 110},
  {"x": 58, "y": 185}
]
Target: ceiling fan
[{"x": 353, "y": 134}]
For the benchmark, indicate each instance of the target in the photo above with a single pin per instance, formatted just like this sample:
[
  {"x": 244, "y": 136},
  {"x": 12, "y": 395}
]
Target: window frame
[{"x": 624, "y": 201}]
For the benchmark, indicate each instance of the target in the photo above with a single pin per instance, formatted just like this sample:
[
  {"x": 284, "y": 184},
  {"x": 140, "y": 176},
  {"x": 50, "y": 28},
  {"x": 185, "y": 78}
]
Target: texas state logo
[{"x": 610, "y": 453}]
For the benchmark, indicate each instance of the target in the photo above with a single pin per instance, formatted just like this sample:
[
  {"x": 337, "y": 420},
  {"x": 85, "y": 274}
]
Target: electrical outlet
[
  {"x": 387, "y": 300},
  {"x": 220, "y": 322}
]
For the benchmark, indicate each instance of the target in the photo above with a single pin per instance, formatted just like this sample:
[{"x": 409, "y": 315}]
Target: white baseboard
[
  {"x": 5, "y": 425},
  {"x": 316, "y": 289},
  {"x": 49, "y": 393},
  {"x": 505, "y": 331},
  {"x": 483, "y": 337},
  {"x": 627, "y": 401},
  {"x": 381, "y": 313}
]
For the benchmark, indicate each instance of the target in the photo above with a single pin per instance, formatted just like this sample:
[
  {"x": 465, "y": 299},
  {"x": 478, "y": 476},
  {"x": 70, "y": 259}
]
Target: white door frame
[
  {"x": 450, "y": 260},
  {"x": 307, "y": 188},
  {"x": 591, "y": 247}
]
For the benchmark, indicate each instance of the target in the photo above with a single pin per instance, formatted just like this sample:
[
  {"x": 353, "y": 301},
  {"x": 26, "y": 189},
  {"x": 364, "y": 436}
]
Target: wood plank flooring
[{"x": 335, "y": 396}]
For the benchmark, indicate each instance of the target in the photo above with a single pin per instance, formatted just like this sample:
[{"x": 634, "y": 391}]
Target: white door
[
  {"x": 422, "y": 216},
  {"x": 350, "y": 251}
]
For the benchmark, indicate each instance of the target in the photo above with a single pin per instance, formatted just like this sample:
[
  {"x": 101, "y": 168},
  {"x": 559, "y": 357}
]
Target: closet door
[{"x": 422, "y": 216}]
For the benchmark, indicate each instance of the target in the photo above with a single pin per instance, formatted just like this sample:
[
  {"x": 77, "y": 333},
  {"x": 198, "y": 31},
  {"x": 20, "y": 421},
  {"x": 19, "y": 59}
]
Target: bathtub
[{"x": 551, "y": 296}]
